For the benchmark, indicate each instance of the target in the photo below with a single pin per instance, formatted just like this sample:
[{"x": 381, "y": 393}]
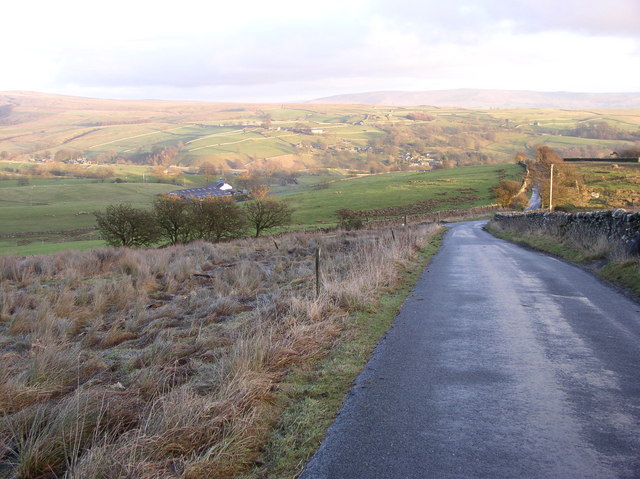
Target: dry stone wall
[{"x": 619, "y": 229}]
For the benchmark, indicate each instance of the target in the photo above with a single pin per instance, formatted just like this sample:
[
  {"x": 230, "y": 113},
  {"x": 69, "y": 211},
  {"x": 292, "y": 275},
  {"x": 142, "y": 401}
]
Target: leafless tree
[
  {"x": 266, "y": 213},
  {"x": 124, "y": 225}
]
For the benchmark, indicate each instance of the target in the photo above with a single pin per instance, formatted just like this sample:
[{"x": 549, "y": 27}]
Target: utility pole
[{"x": 551, "y": 189}]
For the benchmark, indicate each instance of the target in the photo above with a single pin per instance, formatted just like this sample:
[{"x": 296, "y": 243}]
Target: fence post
[
  {"x": 318, "y": 277},
  {"x": 393, "y": 235}
]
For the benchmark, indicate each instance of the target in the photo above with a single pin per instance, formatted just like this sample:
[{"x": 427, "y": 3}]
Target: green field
[
  {"x": 617, "y": 185},
  {"x": 67, "y": 206},
  {"x": 318, "y": 207},
  {"x": 47, "y": 247},
  {"x": 60, "y": 211}
]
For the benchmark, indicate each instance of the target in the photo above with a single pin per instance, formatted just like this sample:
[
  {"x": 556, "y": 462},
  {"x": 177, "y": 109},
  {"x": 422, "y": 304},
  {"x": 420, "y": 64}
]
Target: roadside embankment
[{"x": 606, "y": 241}]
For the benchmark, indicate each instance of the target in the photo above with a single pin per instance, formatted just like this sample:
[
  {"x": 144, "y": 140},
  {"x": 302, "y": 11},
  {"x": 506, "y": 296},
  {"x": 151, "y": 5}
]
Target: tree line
[
  {"x": 601, "y": 130},
  {"x": 173, "y": 220}
]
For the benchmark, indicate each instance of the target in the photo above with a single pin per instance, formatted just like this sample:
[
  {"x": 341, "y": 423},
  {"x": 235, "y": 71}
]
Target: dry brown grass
[{"x": 164, "y": 363}]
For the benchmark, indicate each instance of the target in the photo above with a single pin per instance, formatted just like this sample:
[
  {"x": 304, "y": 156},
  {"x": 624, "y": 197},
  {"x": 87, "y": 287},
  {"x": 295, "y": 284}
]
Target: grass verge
[
  {"x": 623, "y": 272},
  {"x": 314, "y": 391}
]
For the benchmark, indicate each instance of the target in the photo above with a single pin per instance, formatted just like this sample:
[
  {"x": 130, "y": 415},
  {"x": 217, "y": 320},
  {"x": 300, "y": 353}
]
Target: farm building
[{"x": 211, "y": 190}]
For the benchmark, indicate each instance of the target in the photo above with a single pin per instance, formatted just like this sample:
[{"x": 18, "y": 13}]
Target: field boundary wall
[{"x": 620, "y": 229}]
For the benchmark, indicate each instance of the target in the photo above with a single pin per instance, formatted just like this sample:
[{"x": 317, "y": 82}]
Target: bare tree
[
  {"x": 266, "y": 213},
  {"x": 173, "y": 218},
  {"x": 215, "y": 219},
  {"x": 267, "y": 121},
  {"x": 124, "y": 225},
  {"x": 349, "y": 219},
  {"x": 209, "y": 170}
]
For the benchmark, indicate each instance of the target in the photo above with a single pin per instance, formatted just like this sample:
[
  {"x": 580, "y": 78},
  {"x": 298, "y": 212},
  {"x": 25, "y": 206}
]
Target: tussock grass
[{"x": 166, "y": 363}]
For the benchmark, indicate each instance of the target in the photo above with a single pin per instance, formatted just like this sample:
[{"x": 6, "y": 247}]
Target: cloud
[
  {"x": 617, "y": 18},
  {"x": 287, "y": 48}
]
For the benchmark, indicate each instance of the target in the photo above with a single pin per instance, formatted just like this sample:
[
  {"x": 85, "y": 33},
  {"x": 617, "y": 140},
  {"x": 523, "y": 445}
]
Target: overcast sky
[{"x": 290, "y": 50}]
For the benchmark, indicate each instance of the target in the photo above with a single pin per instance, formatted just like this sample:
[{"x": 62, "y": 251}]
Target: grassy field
[
  {"x": 41, "y": 246},
  {"x": 616, "y": 184},
  {"x": 469, "y": 184},
  {"x": 68, "y": 206},
  {"x": 267, "y": 137},
  {"x": 50, "y": 205}
]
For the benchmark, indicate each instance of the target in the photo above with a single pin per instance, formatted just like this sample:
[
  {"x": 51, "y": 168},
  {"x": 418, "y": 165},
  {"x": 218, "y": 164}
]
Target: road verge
[{"x": 313, "y": 392}]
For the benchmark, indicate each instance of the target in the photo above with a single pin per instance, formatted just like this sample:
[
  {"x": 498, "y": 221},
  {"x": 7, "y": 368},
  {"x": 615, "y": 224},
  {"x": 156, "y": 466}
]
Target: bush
[
  {"x": 505, "y": 192},
  {"x": 349, "y": 219}
]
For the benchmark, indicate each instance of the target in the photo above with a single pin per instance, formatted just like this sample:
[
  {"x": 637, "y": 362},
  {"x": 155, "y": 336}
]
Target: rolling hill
[
  {"x": 367, "y": 138},
  {"x": 475, "y": 98}
]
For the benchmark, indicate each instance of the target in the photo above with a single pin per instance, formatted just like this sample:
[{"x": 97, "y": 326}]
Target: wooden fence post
[{"x": 318, "y": 277}]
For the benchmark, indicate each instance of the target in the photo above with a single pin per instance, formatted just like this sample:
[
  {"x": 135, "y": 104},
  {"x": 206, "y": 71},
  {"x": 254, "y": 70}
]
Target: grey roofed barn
[{"x": 211, "y": 190}]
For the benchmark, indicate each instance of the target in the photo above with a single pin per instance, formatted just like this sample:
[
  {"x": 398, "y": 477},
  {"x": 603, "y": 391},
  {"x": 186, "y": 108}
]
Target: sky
[{"x": 296, "y": 50}]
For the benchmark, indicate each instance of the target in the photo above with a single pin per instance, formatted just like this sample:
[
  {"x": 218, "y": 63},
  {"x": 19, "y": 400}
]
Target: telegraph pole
[{"x": 551, "y": 189}]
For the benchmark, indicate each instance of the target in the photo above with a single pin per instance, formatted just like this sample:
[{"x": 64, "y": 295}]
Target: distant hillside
[
  {"x": 472, "y": 98},
  {"x": 17, "y": 107},
  {"x": 38, "y": 127}
]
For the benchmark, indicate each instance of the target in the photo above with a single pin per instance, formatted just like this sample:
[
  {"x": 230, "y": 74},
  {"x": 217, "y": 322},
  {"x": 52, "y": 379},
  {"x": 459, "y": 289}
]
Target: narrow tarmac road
[{"x": 503, "y": 363}]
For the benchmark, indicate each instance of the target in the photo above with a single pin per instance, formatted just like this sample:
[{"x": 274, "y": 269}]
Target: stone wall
[
  {"x": 619, "y": 229},
  {"x": 438, "y": 216}
]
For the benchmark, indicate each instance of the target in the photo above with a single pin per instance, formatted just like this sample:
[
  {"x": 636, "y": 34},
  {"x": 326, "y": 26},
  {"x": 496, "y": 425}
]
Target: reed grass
[{"x": 165, "y": 363}]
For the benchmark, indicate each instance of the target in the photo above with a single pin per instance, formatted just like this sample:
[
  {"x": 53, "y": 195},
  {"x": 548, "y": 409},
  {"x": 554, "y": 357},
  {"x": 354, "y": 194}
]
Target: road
[{"x": 503, "y": 363}]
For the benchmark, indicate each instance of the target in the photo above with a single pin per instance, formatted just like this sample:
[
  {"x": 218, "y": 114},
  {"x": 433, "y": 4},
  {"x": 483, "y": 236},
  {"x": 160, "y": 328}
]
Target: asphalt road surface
[{"x": 503, "y": 363}]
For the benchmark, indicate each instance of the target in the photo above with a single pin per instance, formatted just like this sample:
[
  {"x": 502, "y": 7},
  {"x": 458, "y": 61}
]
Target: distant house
[{"x": 211, "y": 190}]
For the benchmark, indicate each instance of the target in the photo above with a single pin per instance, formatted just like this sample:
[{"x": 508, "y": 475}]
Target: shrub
[
  {"x": 349, "y": 219},
  {"x": 505, "y": 192}
]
